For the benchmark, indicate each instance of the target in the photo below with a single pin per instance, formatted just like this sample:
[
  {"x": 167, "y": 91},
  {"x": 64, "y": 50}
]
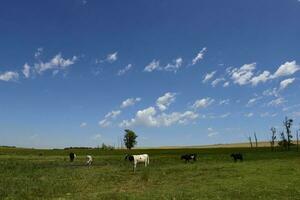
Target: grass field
[{"x": 47, "y": 174}]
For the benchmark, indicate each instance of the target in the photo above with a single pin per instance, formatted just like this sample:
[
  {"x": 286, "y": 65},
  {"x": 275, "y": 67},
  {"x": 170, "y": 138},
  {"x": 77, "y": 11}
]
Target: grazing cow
[
  {"x": 89, "y": 160},
  {"x": 237, "y": 156},
  {"x": 188, "y": 157},
  {"x": 143, "y": 158},
  {"x": 72, "y": 156}
]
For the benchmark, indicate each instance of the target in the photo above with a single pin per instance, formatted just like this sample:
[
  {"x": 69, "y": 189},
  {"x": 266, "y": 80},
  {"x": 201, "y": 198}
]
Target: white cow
[
  {"x": 89, "y": 160},
  {"x": 143, "y": 158}
]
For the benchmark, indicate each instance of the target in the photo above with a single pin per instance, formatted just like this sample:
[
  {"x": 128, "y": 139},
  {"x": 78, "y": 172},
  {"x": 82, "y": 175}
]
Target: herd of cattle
[{"x": 144, "y": 158}]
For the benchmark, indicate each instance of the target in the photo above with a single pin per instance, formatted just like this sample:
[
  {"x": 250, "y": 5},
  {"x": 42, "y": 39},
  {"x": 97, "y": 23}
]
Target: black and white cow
[
  {"x": 237, "y": 156},
  {"x": 142, "y": 158},
  {"x": 72, "y": 156},
  {"x": 188, "y": 157}
]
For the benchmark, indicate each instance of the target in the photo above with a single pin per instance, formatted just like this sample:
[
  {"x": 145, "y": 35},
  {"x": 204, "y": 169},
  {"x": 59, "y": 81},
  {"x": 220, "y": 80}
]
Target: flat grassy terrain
[{"x": 48, "y": 174}]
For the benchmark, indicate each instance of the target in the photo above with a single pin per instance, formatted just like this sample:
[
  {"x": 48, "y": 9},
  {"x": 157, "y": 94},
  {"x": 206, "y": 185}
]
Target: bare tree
[
  {"x": 250, "y": 141},
  {"x": 297, "y": 135},
  {"x": 256, "y": 144},
  {"x": 288, "y": 125},
  {"x": 283, "y": 142},
  {"x": 273, "y": 138}
]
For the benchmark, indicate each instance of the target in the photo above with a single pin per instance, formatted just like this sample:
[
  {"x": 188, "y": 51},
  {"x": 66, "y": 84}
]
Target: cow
[
  {"x": 237, "y": 156},
  {"x": 188, "y": 157},
  {"x": 89, "y": 160},
  {"x": 143, "y": 158},
  {"x": 72, "y": 156}
]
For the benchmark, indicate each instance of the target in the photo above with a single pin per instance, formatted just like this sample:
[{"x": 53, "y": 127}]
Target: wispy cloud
[
  {"x": 112, "y": 57},
  {"x": 124, "y": 70},
  {"x": 203, "y": 103},
  {"x": 249, "y": 114},
  {"x": 199, "y": 56},
  {"x": 26, "y": 70},
  {"x": 83, "y": 124},
  {"x": 56, "y": 63},
  {"x": 130, "y": 102},
  {"x": 9, "y": 76},
  {"x": 276, "y": 102},
  {"x": 153, "y": 65},
  {"x": 108, "y": 117},
  {"x": 224, "y": 102},
  {"x": 209, "y": 76},
  {"x": 217, "y": 81},
  {"x": 38, "y": 52},
  {"x": 173, "y": 67}
]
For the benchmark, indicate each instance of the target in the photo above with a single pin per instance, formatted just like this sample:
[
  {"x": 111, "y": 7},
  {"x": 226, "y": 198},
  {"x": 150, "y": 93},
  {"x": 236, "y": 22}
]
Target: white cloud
[
  {"x": 224, "y": 115},
  {"x": 154, "y": 65},
  {"x": 143, "y": 117},
  {"x": 249, "y": 114},
  {"x": 112, "y": 57},
  {"x": 148, "y": 117},
  {"x": 224, "y": 102},
  {"x": 263, "y": 77},
  {"x": 271, "y": 92},
  {"x": 171, "y": 67},
  {"x": 253, "y": 101},
  {"x": 242, "y": 75},
  {"x": 209, "y": 76},
  {"x": 104, "y": 123},
  {"x": 202, "y": 103},
  {"x": 216, "y": 81},
  {"x": 56, "y": 63},
  {"x": 38, "y": 52},
  {"x": 285, "y": 83},
  {"x": 286, "y": 69},
  {"x": 177, "y": 63},
  {"x": 276, "y": 102},
  {"x": 113, "y": 114},
  {"x": 130, "y": 102},
  {"x": 165, "y": 101},
  {"x": 108, "y": 117},
  {"x": 9, "y": 76},
  {"x": 211, "y": 132},
  {"x": 226, "y": 84},
  {"x": 26, "y": 70},
  {"x": 124, "y": 70},
  {"x": 199, "y": 56},
  {"x": 83, "y": 124}
]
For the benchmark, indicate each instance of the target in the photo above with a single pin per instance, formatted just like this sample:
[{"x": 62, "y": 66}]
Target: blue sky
[{"x": 78, "y": 72}]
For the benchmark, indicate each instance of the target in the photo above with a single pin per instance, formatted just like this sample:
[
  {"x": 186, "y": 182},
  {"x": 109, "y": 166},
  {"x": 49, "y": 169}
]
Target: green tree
[{"x": 130, "y": 139}]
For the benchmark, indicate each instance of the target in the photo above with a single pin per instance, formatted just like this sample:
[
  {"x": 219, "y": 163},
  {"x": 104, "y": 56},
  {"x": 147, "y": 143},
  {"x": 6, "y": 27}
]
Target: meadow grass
[{"x": 48, "y": 174}]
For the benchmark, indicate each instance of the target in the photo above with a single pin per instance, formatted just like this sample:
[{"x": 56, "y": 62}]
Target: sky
[{"x": 79, "y": 72}]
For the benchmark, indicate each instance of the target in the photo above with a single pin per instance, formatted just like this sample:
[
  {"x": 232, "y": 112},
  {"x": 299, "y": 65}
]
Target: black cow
[
  {"x": 129, "y": 157},
  {"x": 237, "y": 156},
  {"x": 72, "y": 156},
  {"x": 188, "y": 157}
]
